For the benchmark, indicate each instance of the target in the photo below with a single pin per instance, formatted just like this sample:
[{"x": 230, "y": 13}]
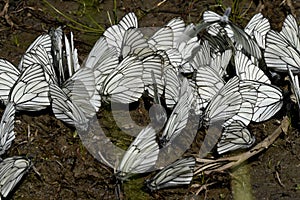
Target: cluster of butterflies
[{"x": 216, "y": 77}]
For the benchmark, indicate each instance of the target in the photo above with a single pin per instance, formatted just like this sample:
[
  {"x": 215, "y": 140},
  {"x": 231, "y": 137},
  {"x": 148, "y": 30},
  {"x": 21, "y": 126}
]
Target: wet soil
[{"x": 64, "y": 169}]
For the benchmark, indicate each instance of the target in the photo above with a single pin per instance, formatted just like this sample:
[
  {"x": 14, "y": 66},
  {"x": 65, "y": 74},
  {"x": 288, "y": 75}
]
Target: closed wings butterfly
[
  {"x": 124, "y": 84},
  {"x": 179, "y": 116},
  {"x": 246, "y": 70},
  {"x": 30, "y": 92},
  {"x": 235, "y": 136},
  {"x": 295, "y": 85},
  {"x": 257, "y": 28},
  {"x": 11, "y": 171},
  {"x": 8, "y": 76},
  {"x": 176, "y": 174},
  {"x": 266, "y": 99},
  {"x": 153, "y": 71},
  {"x": 125, "y": 37},
  {"x": 38, "y": 55},
  {"x": 239, "y": 35},
  {"x": 172, "y": 83},
  {"x": 45, "y": 42},
  {"x": 7, "y": 134},
  {"x": 65, "y": 110},
  {"x": 81, "y": 89},
  {"x": 140, "y": 156},
  {"x": 224, "y": 104},
  {"x": 208, "y": 82},
  {"x": 282, "y": 48}
]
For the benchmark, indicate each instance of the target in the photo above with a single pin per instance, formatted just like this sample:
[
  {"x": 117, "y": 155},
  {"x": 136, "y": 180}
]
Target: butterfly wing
[
  {"x": 141, "y": 155},
  {"x": 235, "y": 136},
  {"x": 11, "y": 171},
  {"x": 176, "y": 174},
  {"x": 246, "y": 70},
  {"x": 124, "y": 84},
  {"x": 80, "y": 88},
  {"x": 8, "y": 76},
  {"x": 65, "y": 110},
  {"x": 7, "y": 134},
  {"x": 179, "y": 116},
  {"x": 266, "y": 99},
  {"x": 30, "y": 91}
]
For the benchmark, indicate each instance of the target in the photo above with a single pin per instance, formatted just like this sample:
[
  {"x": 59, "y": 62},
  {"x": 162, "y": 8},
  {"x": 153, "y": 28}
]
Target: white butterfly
[
  {"x": 179, "y": 116},
  {"x": 11, "y": 172},
  {"x": 176, "y": 174},
  {"x": 282, "y": 49},
  {"x": 235, "y": 136},
  {"x": 140, "y": 156},
  {"x": 239, "y": 35},
  {"x": 7, "y": 134}
]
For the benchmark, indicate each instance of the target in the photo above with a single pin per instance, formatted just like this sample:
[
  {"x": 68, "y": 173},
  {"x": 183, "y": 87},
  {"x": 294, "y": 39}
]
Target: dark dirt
[{"x": 65, "y": 169}]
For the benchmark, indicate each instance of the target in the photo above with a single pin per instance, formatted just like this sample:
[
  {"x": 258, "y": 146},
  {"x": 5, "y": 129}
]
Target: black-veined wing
[
  {"x": 7, "y": 134},
  {"x": 246, "y": 70},
  {"x": 188, "y": 50},
  {"x": 203, "y": 57},
  {"x": 102, "y": 59},
  {"x": 57, "y": 52},
  {"x": 140, "y": 156},
  {"x": 220, "y": 61},
  {"x": 295, "y": 85},
  {"x": 153, "y": 66},
  {"x": 225, "y": 104},
  {"x": 257, "y": 28},
  {"x": 176, "y": 174},
  {"x": 38, "y": 55},
  {"x": 239, "y": 35},
  {"x": 124, "y": 84},
  {"x": 266, "y": 99},
  {"x": 172, "y": 57},
  {"x": 282, "y": 48},
  {"x": 172, "y": 83},
  {"x": 280, "y": 52},
  {"x": 179, "y": 116},
  {"x": 8, "y": 76},
  {"x": 208, "y": 82},
  {"x": 42, "y": 40},
  {"x": 290, "y": 31},
  {"x": 81, "y": 89},
  {"x": 133, "y": 43},
  {"x": 162, "y": 39},
  {"x": 178, "y": 27},
  {"x": 245, "y": 41},
  {"x": 100, "y": 53},
  {"x": 65, "y": 109},
  {"x": 235, "y": 136},
  {"x": 71, "y": 56},
  {"x": 30, "y": 92},
  {"x": 125, "y": 36},
  {"x": 129, "y": 21},
  {"x": 11, "y": 171}
]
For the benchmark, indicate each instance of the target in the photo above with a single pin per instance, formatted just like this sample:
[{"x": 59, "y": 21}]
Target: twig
[{"x": 207, "y": 166}]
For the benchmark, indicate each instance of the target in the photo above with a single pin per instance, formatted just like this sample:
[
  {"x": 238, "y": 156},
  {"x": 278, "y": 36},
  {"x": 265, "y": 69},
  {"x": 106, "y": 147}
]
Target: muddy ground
[{"x": 66, "y": 170}]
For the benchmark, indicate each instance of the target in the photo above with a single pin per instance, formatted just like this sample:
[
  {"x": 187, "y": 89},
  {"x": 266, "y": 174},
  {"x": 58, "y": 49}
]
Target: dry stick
[{"x": 233, "y": 161}]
